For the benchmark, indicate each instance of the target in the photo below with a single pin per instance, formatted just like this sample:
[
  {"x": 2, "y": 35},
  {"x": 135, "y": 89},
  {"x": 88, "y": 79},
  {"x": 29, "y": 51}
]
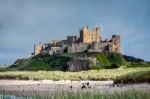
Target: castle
[{"x": 89, "y": 41}]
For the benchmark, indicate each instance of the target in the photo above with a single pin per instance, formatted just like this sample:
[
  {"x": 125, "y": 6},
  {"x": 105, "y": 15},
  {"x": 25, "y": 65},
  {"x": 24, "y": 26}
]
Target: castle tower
[
  {"x": 89, "y": 36},
  {"x": 38, "y": 48},
  {"x": 95, "y": 35},
  {"x": 116, "y": 43},
  {"x": 85, "y": 35}
]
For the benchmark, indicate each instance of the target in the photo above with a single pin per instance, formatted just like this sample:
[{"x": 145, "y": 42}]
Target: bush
[{"x": 114, "y": 65}]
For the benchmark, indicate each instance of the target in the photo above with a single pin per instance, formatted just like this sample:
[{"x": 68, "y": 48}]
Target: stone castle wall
[
  {"x": 79, "y": 47},
  {"x": 89, "y": 40}
]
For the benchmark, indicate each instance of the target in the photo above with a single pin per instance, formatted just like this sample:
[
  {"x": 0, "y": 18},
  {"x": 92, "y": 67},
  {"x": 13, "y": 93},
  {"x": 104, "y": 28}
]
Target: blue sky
[{"x": 24, "y": 23}]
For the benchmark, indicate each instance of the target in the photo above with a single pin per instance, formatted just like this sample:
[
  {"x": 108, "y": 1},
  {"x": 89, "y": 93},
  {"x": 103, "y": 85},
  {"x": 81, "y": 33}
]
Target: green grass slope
[
  {"x": 44, "y": 61},
  {"x": 105, "y": 58},
  {"x": 111, "y": 58},
  {"x": 41, "y": 61},
  {"x": 108, "y": 60}
]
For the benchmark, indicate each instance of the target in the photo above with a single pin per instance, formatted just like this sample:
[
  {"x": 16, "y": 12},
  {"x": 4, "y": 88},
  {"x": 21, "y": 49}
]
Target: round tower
[{"x": 116, "y": 43}]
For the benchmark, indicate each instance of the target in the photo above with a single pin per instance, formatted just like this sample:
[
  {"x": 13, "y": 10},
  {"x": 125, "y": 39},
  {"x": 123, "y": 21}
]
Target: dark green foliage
[
  {"x": 111, "y": 60},
  {"x": 13, "y": 66},
  {"x": 38, "y": 64},
  {"x": 49, "y": 63},
  {"x": 42, "y": 61},
  {"x": 94, "y": 67},
  {"x": 106, "y": 59},
  {"x": 2, "y": 69},
  {"x": 57, "y": 62},
  {"x": 112, "y": 66}
]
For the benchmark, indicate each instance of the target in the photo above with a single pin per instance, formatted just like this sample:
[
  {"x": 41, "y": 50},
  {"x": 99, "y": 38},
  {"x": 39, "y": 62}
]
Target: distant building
[{"x": 89, "y": 41}]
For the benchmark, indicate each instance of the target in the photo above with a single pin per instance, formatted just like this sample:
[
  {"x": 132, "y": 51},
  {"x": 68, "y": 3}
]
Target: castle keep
[
  {"x": 89, "y": 36},
  {"x": 89, "y": 41}
]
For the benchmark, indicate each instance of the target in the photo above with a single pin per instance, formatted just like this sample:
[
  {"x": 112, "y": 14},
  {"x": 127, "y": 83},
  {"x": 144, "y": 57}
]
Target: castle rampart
[{"x": 89, "y": 41}]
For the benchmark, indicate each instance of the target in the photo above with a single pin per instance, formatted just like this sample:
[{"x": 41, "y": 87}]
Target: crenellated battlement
[{"x": 89, "y": 41}]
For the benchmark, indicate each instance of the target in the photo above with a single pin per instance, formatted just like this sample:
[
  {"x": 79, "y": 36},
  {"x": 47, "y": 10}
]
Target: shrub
[{"x": 114, "y": 65}]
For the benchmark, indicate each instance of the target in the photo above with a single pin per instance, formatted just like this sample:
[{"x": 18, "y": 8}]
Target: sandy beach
[{"x": 49, "y": 86}]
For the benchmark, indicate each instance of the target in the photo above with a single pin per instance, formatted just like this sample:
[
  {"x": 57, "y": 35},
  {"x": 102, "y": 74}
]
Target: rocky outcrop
[{"x": 78, "y": 65}]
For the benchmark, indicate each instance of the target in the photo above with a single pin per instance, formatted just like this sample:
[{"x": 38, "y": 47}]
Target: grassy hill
[
  {"x": 44, "y": 61},
  {"x": 41, "y": 61}
]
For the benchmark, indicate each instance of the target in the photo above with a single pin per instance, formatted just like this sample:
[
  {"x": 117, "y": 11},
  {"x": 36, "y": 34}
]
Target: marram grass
[
  {"x": 127, "y": 94},
  {"x": 104, "y": 74}
]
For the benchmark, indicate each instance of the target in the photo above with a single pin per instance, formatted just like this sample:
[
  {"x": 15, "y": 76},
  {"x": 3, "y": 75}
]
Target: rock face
[{"x": 78, "y": 65}]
